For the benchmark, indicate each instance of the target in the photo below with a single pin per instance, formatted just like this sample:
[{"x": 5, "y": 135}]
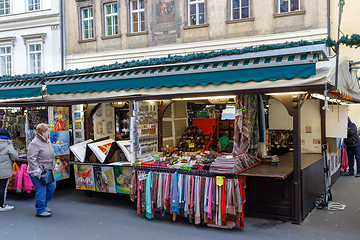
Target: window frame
[
  {"x": 289, "y": 11},
  {"x": 131, "y": 11},
  {"x": 6, "y": 8},
  {"x": 196, "y": 2},
  {"x": 103, "y": 22},
  {"x": 11, "y": 59},
  {"x": 35, "y": 52},
  {"x": 34, "y": 4},
  {"x": 82, "y": 26},
  {"x": 231, "y": 12}
]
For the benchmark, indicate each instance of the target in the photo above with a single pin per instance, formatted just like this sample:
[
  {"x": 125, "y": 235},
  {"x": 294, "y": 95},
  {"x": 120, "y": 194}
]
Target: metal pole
[
  {"x": 297, "y": 202},
  {"x": 341, "y": 4}
]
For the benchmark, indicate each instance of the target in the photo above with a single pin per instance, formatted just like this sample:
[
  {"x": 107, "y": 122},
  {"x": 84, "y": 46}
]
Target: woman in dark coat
[{"x": 7, "y": 153}]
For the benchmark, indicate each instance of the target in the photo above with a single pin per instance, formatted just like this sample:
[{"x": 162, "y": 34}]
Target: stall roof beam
[{"x": 311, "y": 88}]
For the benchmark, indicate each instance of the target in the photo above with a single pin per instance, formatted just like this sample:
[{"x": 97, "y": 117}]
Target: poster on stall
[
  {"x": 104, "y": 150},
  {"x": 62, "y": 170},
  {"x": 122, "y": 179},
  {"x": 84, "y": 177},
  {"x": 59, "y": 118},
  {"x": 104, "y": 179},
  {"x": 60, "y": 141},
  {"x": 104, "y": 121},
  {"x": 78, "y": 123}
]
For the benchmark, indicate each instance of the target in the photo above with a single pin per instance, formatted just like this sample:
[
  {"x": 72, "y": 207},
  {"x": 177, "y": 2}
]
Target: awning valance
[
  {"x": 18, "y": 90},
  {"x": 180, "y": 75}
]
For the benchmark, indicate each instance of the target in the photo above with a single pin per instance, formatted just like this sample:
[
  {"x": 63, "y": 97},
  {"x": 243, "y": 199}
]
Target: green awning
[
  {"x": 24, "y": 89},
  {"x": 202, "y": 73}
]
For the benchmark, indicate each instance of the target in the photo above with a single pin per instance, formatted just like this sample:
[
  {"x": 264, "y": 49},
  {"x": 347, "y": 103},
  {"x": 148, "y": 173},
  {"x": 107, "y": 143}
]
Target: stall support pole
[{"x": 296, "y": 218}]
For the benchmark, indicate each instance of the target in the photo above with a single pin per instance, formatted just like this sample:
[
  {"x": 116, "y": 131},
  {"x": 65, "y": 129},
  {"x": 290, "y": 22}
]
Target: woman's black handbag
[{"x": 47, "y": 177}]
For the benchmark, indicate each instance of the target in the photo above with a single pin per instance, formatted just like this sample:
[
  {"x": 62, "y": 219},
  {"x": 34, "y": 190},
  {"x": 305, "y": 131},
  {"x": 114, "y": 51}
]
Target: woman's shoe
[
  {"x": 6, "y": 208},
  {"x": 349, "y": 174},
  {"x": 44, "y": 214},
  {"x": 47, "y": 209}
]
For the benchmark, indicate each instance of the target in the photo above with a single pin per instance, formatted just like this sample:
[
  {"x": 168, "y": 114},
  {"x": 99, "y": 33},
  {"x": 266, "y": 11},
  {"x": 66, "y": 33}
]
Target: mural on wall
[
  {"x": 165, "y": 11},
  {"x": 166, "y": 28}
]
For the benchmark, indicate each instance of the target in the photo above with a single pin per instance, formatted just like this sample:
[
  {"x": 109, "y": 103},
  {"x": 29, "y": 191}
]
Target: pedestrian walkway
[{"x": 110, "y": 216}]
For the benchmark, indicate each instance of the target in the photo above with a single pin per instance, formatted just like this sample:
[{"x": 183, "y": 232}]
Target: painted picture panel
[
  {"x": 60, "y": 141},
  {"x": 104, "y": 179},
  {"x": 84, "y": 177},
  {"x": 63, "y": 168},
  {"x": 59, "y": 118},
  {"x": 122, "y": 179}
]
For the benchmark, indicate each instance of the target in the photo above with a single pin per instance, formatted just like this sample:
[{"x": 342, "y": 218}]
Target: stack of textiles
[
  {"x": 270, "y": 159},
  {"x": 199, "y": 198},
  {"x": 230, "y": 164}
]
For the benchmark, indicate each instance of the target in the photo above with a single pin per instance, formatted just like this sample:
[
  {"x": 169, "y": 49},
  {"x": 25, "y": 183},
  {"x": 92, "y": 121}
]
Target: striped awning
[
  {"x": 211, "y": 71},
  {"x": 20, "y": 89}
]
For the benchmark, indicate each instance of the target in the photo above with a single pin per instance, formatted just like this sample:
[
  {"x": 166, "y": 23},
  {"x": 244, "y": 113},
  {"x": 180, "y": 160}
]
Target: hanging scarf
[
  {"x": 148, "y": 196},
  {"x": 241, "y": 132},
  {"x": 174, "y": 194}
]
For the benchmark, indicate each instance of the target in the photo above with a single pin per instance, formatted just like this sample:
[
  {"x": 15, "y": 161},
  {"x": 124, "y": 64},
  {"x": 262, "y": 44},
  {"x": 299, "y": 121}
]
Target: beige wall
[
  {"x": 349, "y": 24},
  {"x": 263, "y": 21}
]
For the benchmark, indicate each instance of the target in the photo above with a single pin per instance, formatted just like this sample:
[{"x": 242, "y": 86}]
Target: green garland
[{"x": 353, "y": 41}]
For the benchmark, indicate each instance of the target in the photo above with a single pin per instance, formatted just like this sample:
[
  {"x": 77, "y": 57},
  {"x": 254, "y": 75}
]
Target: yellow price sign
[
  {"x": 219, "y": 180},
  {"x": 191, "y": 145}
]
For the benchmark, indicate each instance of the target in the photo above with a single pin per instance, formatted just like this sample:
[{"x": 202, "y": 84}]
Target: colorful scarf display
[{"x": 201, "y": 199}]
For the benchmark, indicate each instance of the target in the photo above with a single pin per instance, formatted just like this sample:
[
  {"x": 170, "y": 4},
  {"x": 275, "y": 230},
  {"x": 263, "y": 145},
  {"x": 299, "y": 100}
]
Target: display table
[
  {"x": 284, "y": 169},
  {"x": 269, "y": 189}
]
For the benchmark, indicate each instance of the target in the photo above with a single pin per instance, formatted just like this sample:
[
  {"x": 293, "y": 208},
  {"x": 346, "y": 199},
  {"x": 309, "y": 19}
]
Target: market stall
[{"x": 298, "y": 72}]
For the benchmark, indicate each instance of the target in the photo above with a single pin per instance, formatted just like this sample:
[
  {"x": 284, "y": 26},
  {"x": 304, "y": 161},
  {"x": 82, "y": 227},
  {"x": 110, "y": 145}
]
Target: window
[
  {"x": 289, "y": 6},
  {"x": 5, "y": 61},
  {"x": 35, "y": 58},
  {"x": 87, "y": 23},
  {"x": 111, "y": 19},
  {"x": 33, "y": 5},
  {"x": 137, "y": 11},
  {"x": 240, "y": 9},
  {"x": 196, "y": 12},
  {"x": 4, "y": 7}
]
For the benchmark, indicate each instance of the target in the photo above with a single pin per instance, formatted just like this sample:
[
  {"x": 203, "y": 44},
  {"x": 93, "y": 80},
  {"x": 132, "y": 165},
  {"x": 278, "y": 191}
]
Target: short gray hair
[{"x": 41, "y": 128}]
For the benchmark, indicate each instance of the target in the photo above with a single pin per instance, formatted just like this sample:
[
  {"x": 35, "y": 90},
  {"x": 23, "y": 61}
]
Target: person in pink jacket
[
  {"x": 7, "y": 153},
  {"x": 40, "y": 157}
]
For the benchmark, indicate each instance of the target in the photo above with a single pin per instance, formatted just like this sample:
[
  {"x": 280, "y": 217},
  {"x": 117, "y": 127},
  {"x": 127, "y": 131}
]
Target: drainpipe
[
  {"x": 61, "y": 34},
  {"x": 328, "y": 22}
]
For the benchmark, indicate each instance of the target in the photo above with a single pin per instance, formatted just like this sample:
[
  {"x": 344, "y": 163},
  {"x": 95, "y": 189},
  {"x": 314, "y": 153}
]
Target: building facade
[
  {"x": 105, "y": 31},
  {"x": 349, "y": 25},
  {"x": 29, "y": 36}
]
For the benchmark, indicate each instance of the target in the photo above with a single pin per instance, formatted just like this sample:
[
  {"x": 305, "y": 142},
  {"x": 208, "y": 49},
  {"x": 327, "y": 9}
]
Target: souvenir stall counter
[{"x": 269, "y": 190}]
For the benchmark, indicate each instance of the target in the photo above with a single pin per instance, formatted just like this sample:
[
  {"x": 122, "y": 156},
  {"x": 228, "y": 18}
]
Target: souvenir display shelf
[{"x": 145, "y": 128}]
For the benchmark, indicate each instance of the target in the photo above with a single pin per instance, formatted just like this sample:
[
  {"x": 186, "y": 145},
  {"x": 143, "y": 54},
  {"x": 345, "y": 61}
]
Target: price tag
[
  {"x": 191, "y": 145},
  {"x": 219, "y": 180},
  {"x": 142, "y": 176},
  {"x": 188, "y": 141},
  {"x": 238, "y": 112}
]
